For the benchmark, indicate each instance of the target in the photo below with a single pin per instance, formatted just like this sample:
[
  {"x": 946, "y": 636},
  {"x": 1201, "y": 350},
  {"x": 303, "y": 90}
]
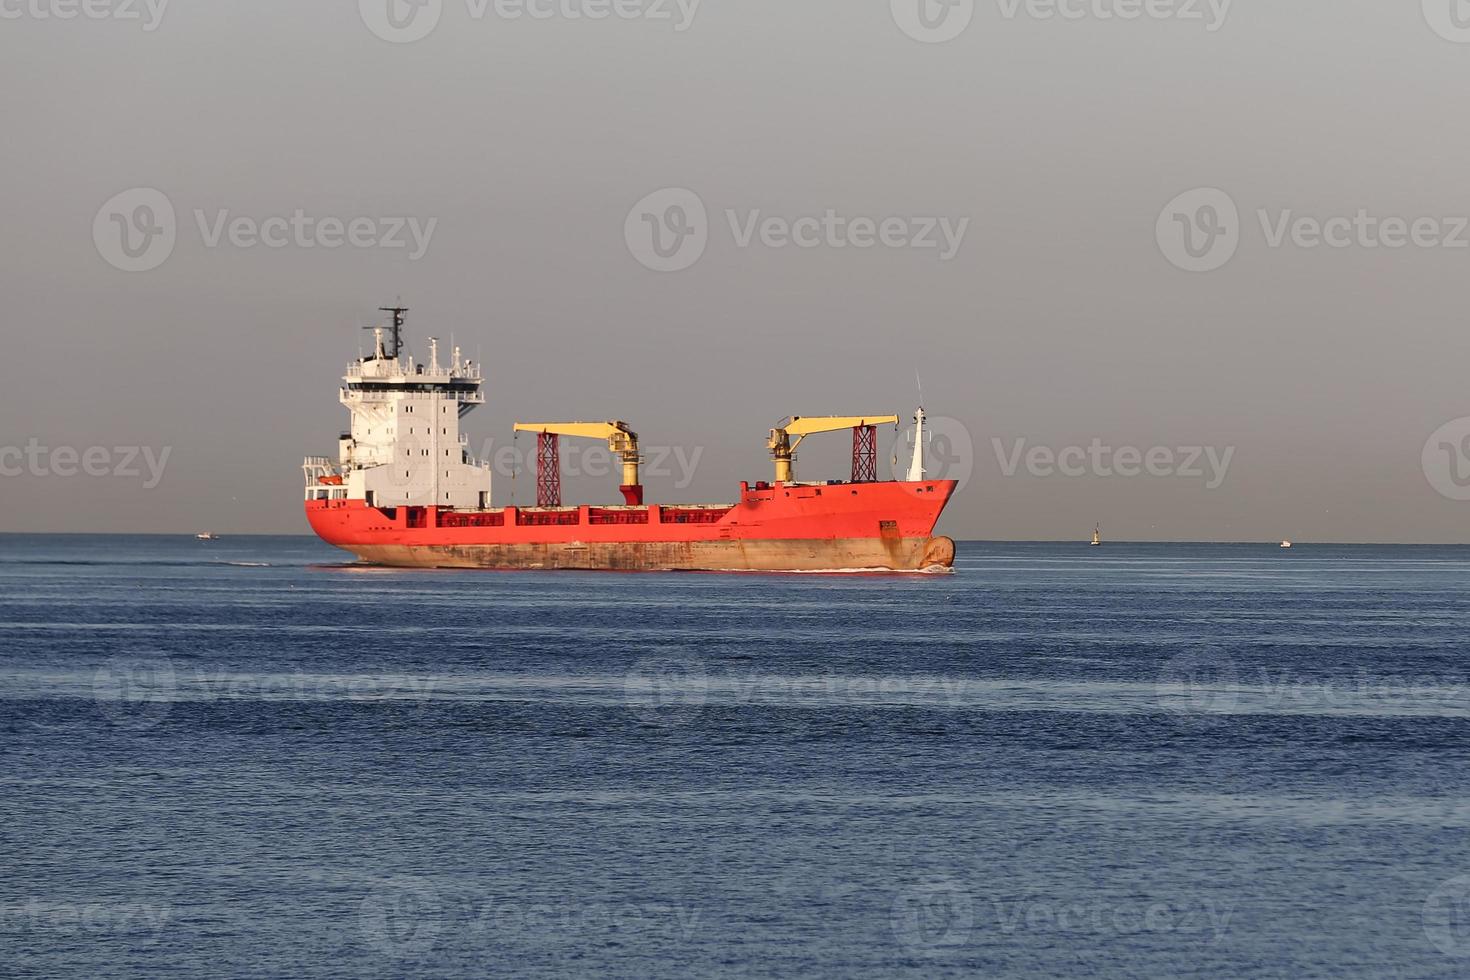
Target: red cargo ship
[{"x": 405, "y": 491}]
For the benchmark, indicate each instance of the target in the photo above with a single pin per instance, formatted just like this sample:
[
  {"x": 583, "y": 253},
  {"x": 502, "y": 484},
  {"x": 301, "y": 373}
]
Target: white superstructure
[{"x": 404, "y": 447}]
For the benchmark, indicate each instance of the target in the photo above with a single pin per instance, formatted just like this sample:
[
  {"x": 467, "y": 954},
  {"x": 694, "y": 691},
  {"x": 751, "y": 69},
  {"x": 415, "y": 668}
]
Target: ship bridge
[
  {"x": 381, "y": 376},
  {"x": 404, "y": 447}
]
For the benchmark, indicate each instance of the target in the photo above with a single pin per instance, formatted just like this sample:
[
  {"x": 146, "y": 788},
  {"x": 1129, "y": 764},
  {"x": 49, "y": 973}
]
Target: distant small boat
[
  {"x": 206, "y": 536},
  {"x": 1097, "y": 536},
  {"x": 1286, "y": 544}
]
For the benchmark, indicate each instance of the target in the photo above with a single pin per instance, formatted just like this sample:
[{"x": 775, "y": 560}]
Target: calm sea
[{"x": 249, "y": 757}]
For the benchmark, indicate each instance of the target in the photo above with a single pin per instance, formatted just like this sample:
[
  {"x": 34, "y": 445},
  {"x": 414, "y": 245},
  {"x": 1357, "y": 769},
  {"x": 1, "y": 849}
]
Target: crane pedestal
[
  {"x": 548, "y": 470},
  {"x": 864, "y": 454}
]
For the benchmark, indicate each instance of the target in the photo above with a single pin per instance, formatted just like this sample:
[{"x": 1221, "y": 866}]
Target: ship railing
[
  {"x": 473, "y": 373},
  {"x": 315, "y": 469},
  {"x": 694, "y": 514},
  {"x": 467, "y": 397}
]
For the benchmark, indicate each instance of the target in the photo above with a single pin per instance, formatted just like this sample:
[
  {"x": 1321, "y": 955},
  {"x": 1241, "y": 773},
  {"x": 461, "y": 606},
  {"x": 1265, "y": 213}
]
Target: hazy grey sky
[{"x": 1062, "y": 317}]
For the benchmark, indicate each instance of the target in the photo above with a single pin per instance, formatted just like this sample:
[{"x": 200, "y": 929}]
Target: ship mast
[
  {"x": 916, "y": 464},
  {"x": 396, "y": 330}
]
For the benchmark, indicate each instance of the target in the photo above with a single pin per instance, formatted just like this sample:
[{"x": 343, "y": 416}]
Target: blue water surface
[{"x": 251, "y": 757}]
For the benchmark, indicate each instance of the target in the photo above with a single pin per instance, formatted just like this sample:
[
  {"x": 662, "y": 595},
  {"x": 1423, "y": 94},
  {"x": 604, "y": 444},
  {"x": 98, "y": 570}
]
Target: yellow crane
[
  {"x": 621, "y": 440},
  {"x": 788, "y": 435}
]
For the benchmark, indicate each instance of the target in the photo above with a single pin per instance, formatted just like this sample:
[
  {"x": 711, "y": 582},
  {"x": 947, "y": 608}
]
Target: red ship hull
[{"x": 797, "y": 527}]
